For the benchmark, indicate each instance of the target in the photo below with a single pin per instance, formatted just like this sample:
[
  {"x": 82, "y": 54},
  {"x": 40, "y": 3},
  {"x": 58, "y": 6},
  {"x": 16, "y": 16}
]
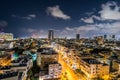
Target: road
[{"x": 70, "y": 74}]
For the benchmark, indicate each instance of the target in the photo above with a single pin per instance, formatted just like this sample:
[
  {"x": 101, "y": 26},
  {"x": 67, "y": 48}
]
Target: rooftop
[
  {"x": 8, "y": 75},
  {"x": 46, "y": 51},
  {"x": 91, "y": 61},
  {"x": 5, "y": 68}
]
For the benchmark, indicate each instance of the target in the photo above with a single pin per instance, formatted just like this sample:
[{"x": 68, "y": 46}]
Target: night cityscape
[{"x": 59, "y": 39}]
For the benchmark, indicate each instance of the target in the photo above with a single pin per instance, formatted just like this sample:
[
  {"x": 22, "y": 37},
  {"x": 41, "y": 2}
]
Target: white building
[
  {"x": 6, "y": 45},
  {"x": 54, "y": 71},
  {"x": 6, "y": 36}
]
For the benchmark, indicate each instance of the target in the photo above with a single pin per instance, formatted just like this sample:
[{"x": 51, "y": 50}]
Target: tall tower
[
  {"x": 50, "y": 34},
  {"x": 77, "y": 37},
  {"x": 105, "y": 37},
  {"x": 113, "y": 37}
]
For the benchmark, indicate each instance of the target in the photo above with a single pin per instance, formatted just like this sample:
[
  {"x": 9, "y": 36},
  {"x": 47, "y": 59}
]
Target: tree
[
  {"x": 78, "y": 70},
  {"x": 30, "y": 73}
]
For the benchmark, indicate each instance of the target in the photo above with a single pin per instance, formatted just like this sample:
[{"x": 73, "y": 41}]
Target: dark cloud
[
  {"x": 28, "y": 17},
  {"x": 3, "y": 23}
]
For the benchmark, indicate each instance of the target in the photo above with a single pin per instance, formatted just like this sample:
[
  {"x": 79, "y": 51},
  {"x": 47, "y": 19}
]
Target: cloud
[
  {"x": 56, "y": 12},
  {"x": 28, "y": 17},
  {"x": 3, "y": 23},
  {"x": 110, "y": 28},
  {"x": 32, "y": 15},
  {"x": 110, "y": 11},
  {"x": 92, "y": 29},
  {"x": 88, "y": 20},
  {"x": 84, "y": 30},
  {"x": 89, "y": 13},
  {"x": 69, "y": 29},
  {"x": 31, "y": 32}
]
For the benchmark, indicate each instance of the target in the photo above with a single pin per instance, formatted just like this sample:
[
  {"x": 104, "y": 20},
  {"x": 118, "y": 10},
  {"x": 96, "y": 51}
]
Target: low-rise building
[
  {"x": 11, "y": 75},
  {"x": 54, "y": 72},
  {"x": 93, "y": 68},
  {"x": 46, "y": 56},
  {"x": 116, "y": 66}
]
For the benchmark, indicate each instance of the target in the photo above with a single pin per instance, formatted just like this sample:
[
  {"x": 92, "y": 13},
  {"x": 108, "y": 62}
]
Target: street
[{"x": 70, "y": 74}]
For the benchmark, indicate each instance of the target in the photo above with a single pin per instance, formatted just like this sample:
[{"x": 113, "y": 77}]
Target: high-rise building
[
  {"x": 77, "y": 36},
  {"x": 105, "y": 37},
  {"x": 113, "y": 37},
  {"x": 51, "y": 35}
]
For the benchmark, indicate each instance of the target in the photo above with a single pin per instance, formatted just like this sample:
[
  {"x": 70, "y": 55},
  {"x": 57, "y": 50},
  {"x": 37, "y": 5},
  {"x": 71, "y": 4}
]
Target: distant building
[
  {"x": 6, "y": 36},
  {"x": 100, "y": 40},
  {"x": 105, "y": 37},
  {"x": 77, "y": 37},
  {"x": 109, "y": 37},
  {"x": 51, "y": 35},
  {"x": 113, "y": 37}
]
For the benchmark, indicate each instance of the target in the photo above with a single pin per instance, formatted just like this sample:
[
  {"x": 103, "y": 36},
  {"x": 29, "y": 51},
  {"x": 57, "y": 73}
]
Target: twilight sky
[{"x": 66, "y": 17}]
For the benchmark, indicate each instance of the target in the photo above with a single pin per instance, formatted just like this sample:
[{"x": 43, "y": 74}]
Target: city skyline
[{"x": 66, "y": 18}]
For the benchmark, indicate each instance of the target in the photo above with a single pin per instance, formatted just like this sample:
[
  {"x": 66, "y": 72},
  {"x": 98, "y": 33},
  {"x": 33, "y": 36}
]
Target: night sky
[{"x": 66, "y": 17}]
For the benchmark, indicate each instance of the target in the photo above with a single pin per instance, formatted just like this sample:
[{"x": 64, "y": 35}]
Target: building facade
[
  {"x": 6, "y": 36},
  {"x": 51, "y": 35},
  {"x": 46, "y": 56},
  {"x": 54, "y": 72},
  {"x": 93, "y": 68},
  {"x": 77, "y": 37}
]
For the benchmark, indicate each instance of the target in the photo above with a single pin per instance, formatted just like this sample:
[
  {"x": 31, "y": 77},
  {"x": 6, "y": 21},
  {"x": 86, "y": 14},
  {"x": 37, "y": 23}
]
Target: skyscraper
[
  {"x": 105, "y": 36},
  {"x": 50, "y": 34},
  {"x": 113, "y": 37},
  {"x": 77, "y": 36}
]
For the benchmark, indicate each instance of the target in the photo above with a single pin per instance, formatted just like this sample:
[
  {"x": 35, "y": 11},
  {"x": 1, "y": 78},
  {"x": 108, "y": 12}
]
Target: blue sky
[{"x": 66, "y": 17}]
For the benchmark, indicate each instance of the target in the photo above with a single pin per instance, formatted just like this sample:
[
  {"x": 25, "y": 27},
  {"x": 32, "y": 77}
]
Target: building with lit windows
[
  {"x": 92, "y": 68},
  {"x": 54, "y": 72},
  {"x": 46, "y": 56},
  {"x": 51, "y": 35},
  {"x": 116, "y": 66},
  {"x": 6, "y": 45},
  {"x": 6, "y": 36}
]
